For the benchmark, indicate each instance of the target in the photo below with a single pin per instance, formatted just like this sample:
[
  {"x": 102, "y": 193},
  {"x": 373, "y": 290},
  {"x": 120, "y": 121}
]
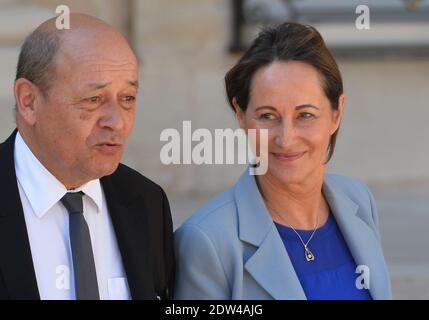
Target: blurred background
[{"x": 187, "y": 46}]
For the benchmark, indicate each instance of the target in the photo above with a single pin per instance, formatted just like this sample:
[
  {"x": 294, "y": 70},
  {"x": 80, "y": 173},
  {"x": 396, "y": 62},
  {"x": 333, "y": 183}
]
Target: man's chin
[{"x": 107, "y": 170}]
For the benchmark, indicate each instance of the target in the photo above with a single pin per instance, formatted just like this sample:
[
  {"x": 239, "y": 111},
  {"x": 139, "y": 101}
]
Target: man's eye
[
  {"x": 93, "y": 99},
  {"x": 129, "y": 99}
]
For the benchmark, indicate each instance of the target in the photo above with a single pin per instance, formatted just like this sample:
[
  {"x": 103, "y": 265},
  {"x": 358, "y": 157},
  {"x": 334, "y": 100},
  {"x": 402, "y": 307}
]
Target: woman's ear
[
  {"x": 239, "y": 113},
  {"x": 338, "y": 114}
]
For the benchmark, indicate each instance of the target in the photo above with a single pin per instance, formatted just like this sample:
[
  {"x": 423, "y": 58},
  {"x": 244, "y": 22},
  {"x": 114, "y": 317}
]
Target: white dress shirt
[{"x": 47, "y": 222}]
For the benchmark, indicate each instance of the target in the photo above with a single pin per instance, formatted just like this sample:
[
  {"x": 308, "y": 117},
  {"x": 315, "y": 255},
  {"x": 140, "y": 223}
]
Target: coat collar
[{"x": 271, "y": 266}]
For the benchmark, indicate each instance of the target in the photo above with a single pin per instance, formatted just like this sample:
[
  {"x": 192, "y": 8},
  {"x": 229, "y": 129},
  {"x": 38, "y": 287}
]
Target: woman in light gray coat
[{"x": 294, "y": 232}]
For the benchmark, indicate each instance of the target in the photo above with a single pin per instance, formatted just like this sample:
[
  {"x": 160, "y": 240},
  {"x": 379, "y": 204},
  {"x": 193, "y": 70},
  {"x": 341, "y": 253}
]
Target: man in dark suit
[{"x": 74, "y": 223}]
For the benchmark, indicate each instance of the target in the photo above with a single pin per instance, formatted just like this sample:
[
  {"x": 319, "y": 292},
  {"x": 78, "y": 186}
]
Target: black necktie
[{"x": 83, "y": 260}]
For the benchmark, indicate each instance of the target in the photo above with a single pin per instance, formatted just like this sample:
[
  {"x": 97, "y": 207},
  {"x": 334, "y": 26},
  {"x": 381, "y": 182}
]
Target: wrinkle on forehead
[{"x": 82, "y": 67}]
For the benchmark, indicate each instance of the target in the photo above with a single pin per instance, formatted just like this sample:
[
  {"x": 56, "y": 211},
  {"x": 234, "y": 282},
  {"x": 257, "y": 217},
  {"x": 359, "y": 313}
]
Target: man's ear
[
  {"x": 338, "y": 114},
  {"x": 239, "y": 113},
  {"x": 25, "y": 96}
]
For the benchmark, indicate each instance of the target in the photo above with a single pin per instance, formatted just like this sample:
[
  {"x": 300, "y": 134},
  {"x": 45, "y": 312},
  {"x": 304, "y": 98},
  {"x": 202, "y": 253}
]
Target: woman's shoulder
[
  {"x": 355, "y": 190},
  {"x": 359, "y": 193},
  {"x": 216, "y": 215},
  {"x": 349, "y": 185}
]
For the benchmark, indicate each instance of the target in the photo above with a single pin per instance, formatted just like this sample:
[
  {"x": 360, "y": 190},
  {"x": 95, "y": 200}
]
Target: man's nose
[{"x": 113, "y": 116}]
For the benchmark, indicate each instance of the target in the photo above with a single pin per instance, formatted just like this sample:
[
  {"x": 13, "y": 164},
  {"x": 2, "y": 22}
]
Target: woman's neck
[{"x": 298, "y": 205}]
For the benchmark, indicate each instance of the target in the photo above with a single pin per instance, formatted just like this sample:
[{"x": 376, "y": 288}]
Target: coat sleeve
[{"x": 200, "y": 274}]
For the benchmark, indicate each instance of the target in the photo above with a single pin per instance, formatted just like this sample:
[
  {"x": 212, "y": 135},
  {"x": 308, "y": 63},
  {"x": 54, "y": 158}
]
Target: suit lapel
[
  {"x": 16, "y": 263},
  {"x": 270, "y": 264},
  {"x": 130, "y": 225},
  {"x": 360, "y": 238}
]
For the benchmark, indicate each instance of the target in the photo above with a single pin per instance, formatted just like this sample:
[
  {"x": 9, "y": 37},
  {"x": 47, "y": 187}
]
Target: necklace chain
[{"x": 309, "y": 254}]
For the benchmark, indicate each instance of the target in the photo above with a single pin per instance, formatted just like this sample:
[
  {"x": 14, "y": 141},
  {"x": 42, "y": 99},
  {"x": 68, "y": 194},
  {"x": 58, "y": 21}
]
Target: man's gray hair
[{"x": 36, "y": 61}]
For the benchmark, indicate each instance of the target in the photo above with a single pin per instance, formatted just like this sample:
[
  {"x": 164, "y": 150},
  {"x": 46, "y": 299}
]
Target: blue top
[{"x": 331, "y": 275}]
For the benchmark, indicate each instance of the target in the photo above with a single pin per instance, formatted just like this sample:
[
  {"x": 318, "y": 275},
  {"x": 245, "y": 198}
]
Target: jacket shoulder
[
  {"x": 217, "y": 214},
  {"x": 352, "y": 187},
  {"x": 360, "y": 194},
  {"x": 125, "y": 178}
]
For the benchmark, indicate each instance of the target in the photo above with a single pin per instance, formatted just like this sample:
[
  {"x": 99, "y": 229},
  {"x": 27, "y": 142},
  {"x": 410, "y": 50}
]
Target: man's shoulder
[
  {"x": 7, "y": 145},
  {"x": 126, "y": 178}
]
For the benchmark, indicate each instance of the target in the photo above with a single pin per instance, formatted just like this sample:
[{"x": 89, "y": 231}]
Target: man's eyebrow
[
  {"x": 98, "y": 85},
  {"x": 102, "y": 85},
  {"x": 134, "y": 83}
]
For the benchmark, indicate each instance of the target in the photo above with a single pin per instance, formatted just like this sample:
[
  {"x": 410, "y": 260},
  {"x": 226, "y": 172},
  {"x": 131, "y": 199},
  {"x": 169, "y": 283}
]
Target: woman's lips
[{"x": 288, "y": 156}]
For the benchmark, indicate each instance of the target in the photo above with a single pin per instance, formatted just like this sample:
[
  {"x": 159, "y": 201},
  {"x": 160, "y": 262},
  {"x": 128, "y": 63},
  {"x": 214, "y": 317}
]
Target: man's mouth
[{"x": 109, "y": 147}]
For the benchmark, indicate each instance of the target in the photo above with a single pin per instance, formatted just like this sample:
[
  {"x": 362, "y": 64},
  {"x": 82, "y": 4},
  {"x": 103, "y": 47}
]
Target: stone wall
[{"x": 182, "y": 47}]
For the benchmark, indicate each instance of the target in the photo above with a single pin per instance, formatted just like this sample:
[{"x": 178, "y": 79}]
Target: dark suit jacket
[{"x": 141, "y": 218}]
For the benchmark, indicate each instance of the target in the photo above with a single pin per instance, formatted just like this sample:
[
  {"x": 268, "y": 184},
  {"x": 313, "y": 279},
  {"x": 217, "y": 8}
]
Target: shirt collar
[
  {"x": 42, "y": 189},
  {"x": 92, "y": 189}
]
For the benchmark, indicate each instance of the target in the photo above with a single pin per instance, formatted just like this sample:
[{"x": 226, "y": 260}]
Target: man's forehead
[
  {"x": 103, "y": 84},
  {"x": 100, "y": 53},
  {"x": 89, "y": 69},
  {"x": 96, "y": 48}
]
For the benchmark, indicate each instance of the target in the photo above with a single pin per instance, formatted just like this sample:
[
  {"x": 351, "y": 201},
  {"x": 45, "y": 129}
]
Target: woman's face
[{"x": 287, "y": 98}]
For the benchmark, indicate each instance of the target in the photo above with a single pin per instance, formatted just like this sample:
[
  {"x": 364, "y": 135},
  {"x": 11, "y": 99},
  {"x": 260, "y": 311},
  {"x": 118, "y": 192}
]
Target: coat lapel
[
  {"x": 16, "y": 263},
  {"x": 270, "y": 264},
  {"x": 360, "y": 238},
  {"x": 130, "y": 225}
]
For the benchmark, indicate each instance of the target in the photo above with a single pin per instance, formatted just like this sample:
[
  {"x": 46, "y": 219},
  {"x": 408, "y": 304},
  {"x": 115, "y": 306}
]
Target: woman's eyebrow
[
  {"x": 303, "y": 106},
  {"x": 265, "y": 107}
]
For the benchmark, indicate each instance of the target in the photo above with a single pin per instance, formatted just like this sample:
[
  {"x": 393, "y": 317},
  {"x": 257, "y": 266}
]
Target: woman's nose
[{"x": 284, "y": 134}]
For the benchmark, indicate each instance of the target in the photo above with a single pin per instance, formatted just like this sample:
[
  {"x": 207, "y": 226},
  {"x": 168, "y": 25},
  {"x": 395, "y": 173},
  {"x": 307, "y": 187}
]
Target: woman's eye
[
  {"x": 305, "y": 115},
  {"x": 266, "y": 116}
]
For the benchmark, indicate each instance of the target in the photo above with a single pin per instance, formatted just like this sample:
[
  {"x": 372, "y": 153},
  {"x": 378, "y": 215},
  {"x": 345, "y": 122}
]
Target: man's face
[{"x": 85, "y": 119}]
